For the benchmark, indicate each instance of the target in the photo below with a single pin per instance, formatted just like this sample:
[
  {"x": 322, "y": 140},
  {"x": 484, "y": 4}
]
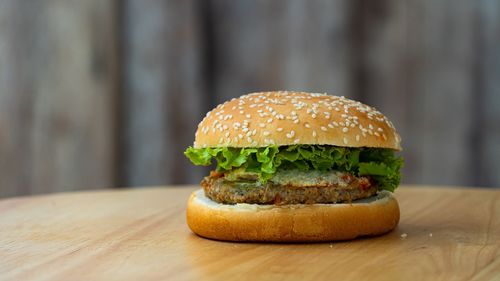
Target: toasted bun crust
[
  {"x": 286, "y": 118},
  {"x": 292, "y": 223}
]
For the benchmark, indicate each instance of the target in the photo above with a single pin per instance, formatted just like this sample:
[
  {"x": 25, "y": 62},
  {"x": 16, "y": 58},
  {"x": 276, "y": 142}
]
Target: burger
[{"x": 295, "y": 167}]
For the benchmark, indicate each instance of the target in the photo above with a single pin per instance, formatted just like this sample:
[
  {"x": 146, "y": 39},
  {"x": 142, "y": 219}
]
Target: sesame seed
[
  {"x": 345, "y": 130},
  {"x": 279, "y": 129},
  {"x": 249, "y": 139},
  {"x": 248, "y": 116},
  {"x": 262, "y": 125},
  {"x": 345, "y": 141},
  {"x": 296, "y": 141},
  {"x": 314, "y": 134},
  {"x": 323, "y": 128},
  {"x": 240, "y": 136},
  {"x": 266, "y": 133},
  {"x": 269, "y": 120},
  {"x": 330, "y": 125},
  {"x": 296, "y": 121},
  {"x": 313, "y": 115},
  {"x": 307, "y": 125}
]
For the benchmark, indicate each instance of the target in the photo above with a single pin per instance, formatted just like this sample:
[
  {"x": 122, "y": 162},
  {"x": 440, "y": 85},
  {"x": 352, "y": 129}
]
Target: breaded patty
[{"x": 288, "y": 187}]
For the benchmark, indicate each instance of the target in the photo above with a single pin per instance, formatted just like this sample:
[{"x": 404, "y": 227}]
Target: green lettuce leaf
[{"x": 381, "y": 164}]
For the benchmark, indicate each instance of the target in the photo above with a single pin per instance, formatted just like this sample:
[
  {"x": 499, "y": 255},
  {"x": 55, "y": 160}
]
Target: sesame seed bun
[
  {"x": 292, "y": 223},
  {"x": 287, "y": 118}
]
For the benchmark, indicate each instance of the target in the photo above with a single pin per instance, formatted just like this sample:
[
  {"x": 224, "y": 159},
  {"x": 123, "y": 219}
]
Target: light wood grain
[{"x": 452, "y": 234}]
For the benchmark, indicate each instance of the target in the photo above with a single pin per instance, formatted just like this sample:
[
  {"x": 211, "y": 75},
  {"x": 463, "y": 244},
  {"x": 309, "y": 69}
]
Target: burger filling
[
  {"x": 298, "y": 174},
  {"x": 287, "y": 187}
]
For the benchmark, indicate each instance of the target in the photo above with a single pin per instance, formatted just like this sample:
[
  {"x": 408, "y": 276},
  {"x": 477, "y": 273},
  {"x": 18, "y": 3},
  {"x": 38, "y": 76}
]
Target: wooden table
[{"x": 140, "y": 234}]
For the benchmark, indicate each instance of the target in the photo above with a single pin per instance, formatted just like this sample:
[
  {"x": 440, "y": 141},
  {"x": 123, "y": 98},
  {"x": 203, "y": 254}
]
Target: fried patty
[{"x": 293, "y": 187}]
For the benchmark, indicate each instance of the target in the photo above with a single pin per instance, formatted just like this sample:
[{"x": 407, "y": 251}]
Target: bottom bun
[{"x": 292, "y": 223}]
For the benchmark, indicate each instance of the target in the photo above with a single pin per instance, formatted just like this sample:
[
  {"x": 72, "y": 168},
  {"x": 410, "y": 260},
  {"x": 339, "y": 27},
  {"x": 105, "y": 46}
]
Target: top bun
[{"x": 288, "y": 118}]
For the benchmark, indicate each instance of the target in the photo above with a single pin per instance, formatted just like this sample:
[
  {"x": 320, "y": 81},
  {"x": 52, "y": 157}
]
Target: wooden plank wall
[
  {"x": 163, "y": 90},
  {"x": 108, "y": 93},
  {"x": 58, "y": 81},
  {"x": 487, "y": 71}
]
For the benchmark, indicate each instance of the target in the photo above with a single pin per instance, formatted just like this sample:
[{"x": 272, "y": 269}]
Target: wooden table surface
[{"x": 140, "y": 234}]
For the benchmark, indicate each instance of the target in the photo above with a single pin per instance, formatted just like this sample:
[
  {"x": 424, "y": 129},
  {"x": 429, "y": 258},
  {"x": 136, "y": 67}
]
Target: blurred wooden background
[{"x": 107, "y": 93}]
